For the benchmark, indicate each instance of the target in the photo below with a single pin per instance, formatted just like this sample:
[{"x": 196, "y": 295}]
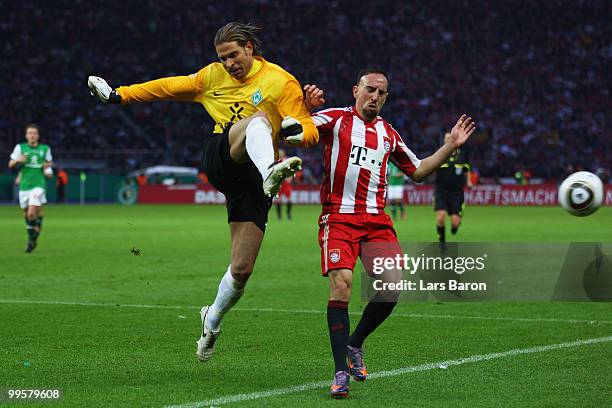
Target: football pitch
[{"x": 106, "y": 309}]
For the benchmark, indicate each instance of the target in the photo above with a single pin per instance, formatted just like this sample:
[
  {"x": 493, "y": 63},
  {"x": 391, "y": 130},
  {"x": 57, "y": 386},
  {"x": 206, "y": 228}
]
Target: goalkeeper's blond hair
[{"x": 241, "y": 33}]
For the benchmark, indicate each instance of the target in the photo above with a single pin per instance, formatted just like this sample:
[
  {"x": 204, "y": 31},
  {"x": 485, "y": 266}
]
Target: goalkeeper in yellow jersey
[{"x": 253, "y": 102}]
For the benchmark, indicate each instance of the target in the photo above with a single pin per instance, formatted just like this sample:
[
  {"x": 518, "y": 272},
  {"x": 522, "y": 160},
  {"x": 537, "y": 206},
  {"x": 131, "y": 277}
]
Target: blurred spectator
[
  {"x": 142, "y": 179},
  {"x": 473, "y": 177},
  {"x": 60, "y": 183},
  {"x": 202, "y": 177}
]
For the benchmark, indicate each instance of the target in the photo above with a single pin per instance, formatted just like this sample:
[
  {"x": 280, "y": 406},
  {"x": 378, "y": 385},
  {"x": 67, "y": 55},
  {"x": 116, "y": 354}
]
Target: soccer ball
[{"x": 581, "y": 193}]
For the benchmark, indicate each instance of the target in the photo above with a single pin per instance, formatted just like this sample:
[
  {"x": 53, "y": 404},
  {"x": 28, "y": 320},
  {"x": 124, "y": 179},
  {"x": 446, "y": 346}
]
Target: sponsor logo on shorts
[{"x": 334, "y": 255}]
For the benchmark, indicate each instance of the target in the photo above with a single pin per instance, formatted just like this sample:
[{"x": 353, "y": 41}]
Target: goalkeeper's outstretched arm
[{"x": 179, "y": 88}]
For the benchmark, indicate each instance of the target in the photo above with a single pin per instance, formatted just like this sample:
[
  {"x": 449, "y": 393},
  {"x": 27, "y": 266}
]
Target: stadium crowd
[{"x": 533, "y": 74}]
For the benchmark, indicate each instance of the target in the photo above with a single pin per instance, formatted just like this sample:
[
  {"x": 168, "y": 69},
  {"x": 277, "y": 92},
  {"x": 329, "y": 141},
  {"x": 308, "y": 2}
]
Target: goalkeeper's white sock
[
  {"x": 230, "y": 291},
  {"x": 259, "y": 144}
]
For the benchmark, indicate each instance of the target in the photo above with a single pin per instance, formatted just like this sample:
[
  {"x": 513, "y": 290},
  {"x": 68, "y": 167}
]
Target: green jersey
[
  {"x": 32, "y": 171},
  {"x": 396, "y": 176}
]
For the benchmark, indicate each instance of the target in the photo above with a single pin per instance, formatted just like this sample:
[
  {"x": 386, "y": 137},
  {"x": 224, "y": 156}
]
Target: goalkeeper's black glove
[
  {"x": 292, "y": 131},
  {"x": 100, "y": 88}
]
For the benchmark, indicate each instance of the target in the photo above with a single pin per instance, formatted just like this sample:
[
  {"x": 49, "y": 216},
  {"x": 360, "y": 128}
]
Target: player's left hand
[
  {"x": 460, "y": 133},
  {"x": 100, "y": 88},
  {"x": 313, "y": 97},
  {"x": 292, "y": 131},
  {"x": 48, "y": 169}
]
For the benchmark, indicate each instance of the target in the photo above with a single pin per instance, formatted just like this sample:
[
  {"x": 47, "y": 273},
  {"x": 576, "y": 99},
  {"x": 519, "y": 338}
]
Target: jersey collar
[{"x": 256, "y": 68}]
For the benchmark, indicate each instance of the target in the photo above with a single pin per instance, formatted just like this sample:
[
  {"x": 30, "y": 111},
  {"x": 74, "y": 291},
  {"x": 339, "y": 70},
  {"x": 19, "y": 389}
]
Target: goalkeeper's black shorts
[{"x": 240, "y": 183}]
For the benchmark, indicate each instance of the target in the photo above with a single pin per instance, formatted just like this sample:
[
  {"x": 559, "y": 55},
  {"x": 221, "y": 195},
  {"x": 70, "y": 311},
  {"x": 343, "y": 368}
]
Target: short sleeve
[{"x": 16, "y": 152}]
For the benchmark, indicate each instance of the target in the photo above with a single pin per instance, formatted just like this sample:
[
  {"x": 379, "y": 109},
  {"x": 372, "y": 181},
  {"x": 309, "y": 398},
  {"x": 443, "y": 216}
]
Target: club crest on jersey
[
  {"x": 257, "y": 97},
  {"x": 387, "y": 146},
  {"x": 334, "y": 255}
]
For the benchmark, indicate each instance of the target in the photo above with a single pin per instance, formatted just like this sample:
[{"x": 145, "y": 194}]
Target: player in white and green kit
[
  {"x": 395, "y": 192},
  {"x": 34, "y": 162}
]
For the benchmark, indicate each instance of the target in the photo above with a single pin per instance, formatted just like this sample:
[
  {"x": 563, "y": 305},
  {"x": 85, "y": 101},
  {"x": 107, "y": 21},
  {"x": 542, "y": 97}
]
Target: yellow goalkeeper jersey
[{"x": 267, "y": 88}]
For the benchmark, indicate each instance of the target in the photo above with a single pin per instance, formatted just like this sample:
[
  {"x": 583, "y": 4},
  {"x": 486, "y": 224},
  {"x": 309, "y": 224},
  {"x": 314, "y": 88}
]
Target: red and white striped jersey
[{"x": 355, "y": 160}]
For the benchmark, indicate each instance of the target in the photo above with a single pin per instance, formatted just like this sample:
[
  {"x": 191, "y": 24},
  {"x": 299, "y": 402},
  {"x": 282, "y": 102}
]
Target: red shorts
[{"x": 341, "y": 237}]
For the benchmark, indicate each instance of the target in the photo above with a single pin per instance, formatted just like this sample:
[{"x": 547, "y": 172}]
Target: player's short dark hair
[
  {"x": 32, "y": 126},
  {"x": 371, "y": 71},
  {"x": 241, "y": 33}
]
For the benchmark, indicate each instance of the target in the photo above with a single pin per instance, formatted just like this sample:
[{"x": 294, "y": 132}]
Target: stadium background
[{"x": 533, "y": 74}]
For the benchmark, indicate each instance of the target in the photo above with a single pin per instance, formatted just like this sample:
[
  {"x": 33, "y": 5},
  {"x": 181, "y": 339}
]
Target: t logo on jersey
[
  {"x": 358, "y": 154},
  {"x": 363, "y": 157},
  {"x": 257, "y": 97}
]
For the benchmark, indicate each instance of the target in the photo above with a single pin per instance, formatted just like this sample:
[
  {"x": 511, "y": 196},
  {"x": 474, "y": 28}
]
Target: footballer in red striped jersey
[
  {"x": 356, "y": 155},
  {"x": 358, "y": 146}
]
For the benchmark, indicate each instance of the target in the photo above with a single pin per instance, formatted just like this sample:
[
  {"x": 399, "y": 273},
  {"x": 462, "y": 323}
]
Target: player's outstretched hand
[
  {"x": 460, "y": 133},
  {"x": 313, "y": 97},
  {"x": 99, "y": 87}
]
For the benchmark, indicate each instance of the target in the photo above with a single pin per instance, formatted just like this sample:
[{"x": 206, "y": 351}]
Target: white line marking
[
  {"x": 391, "y": 373},
  {"x": 516, "y": 319},
  {"x": 305, "y": 311},
  {"x": 67, "y": 303}
]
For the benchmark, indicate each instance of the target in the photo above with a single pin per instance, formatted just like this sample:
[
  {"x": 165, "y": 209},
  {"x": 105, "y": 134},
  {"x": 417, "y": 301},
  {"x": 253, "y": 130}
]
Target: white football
[{"x": 581, "y": 193}]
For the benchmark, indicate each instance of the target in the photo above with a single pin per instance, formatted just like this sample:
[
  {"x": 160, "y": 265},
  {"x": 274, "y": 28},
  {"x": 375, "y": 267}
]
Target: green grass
[{"x": 121, "y": 356}]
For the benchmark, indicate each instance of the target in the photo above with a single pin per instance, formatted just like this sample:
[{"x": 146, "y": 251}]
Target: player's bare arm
[
  {"x": 12, "y": 163},
  {"x": 458, "y": 135}
]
